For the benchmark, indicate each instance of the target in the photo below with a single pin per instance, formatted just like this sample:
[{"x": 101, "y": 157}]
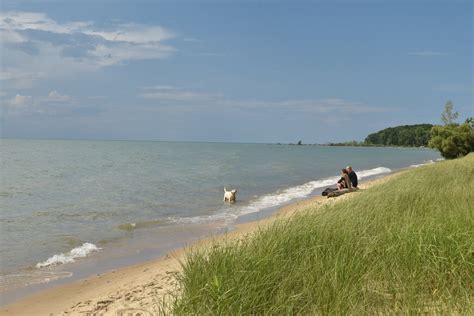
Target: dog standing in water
[{"x": 229, "y": 196}]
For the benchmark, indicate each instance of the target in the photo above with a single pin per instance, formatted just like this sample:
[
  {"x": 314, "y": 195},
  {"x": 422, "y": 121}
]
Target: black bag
[{"x": 328, "y": 190}]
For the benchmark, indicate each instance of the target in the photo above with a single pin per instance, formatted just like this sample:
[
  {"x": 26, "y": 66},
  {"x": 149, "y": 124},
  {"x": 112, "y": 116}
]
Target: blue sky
[{"x": 239, "y": 71}]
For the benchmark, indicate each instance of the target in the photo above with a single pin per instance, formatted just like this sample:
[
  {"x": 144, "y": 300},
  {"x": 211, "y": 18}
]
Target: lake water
[{"x": 65, "y": 203}]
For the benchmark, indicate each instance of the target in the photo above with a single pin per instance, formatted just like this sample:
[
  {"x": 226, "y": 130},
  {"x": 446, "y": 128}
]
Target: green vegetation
[
  {"x": 352, "y": 143},
  {"x": 406, "y": 135},
  {"x": 403, "y": 247},
  {"x": 452, "y": 140},
  {"x": 448, "y": 116}
]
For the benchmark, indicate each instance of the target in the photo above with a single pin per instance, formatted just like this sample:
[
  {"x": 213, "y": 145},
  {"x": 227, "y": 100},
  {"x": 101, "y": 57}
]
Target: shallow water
[{"x": 63, "y": 201}]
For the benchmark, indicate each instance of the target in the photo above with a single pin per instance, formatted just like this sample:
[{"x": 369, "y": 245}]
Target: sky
[{"x": 231, "y": 71}]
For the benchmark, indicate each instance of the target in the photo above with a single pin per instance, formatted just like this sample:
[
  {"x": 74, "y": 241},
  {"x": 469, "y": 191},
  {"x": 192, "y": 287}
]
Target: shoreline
[{"x": 141, "y": 286}]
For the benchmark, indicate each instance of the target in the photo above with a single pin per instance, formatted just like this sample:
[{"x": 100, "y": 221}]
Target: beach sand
[{"x": 142, "y": 287}]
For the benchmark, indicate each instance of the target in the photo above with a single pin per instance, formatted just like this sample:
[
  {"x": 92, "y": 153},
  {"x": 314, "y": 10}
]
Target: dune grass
[{"x": 405, "y": 246}]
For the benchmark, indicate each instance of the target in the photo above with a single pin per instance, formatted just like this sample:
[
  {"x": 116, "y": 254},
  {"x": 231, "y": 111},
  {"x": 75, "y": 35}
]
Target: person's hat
[{"x": 348, "y": 167}]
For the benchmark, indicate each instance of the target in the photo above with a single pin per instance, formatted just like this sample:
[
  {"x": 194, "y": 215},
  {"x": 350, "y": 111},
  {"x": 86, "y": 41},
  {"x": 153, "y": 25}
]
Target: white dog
[{"x": 229, "y": 196}]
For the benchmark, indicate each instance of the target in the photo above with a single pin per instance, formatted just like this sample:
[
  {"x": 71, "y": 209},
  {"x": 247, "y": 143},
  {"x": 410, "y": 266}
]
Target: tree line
[
  {"x": 406, "y": 135},
  {"x": 452, "y": 139}
]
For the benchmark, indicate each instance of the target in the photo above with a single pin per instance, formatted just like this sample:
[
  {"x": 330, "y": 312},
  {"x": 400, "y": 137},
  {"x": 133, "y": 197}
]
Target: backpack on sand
[{"x": 328, "y": 190}]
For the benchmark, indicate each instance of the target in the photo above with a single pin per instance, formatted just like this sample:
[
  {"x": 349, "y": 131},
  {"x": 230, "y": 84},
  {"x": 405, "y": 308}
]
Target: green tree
[
  {"x": 449, "y": 116},
  {"x": 452, "y": 140},
  {"x": 406, "y": 135}
]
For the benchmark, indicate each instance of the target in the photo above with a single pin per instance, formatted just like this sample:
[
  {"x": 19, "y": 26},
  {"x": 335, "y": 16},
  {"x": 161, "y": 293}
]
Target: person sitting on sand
[
  {"x": 352, "y": 176},
  {"x": 344, "y": 182}
]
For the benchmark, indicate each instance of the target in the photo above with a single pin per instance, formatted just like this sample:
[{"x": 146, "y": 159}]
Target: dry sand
[{"x": 141, "y": 287}]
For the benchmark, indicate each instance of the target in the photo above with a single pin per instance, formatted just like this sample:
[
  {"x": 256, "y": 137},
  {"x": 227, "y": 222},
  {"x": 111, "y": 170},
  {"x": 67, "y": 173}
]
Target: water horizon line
[{"x": 159, "y": 141}]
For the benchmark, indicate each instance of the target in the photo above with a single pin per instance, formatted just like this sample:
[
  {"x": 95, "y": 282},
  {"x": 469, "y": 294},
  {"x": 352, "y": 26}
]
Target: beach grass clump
[{"x": 404, "y": 246}]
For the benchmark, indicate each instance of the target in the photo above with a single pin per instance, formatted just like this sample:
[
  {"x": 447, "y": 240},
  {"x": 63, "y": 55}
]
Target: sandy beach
[
  {"x": 142, "y": 287},
  {"x": 169, "y": 158}
]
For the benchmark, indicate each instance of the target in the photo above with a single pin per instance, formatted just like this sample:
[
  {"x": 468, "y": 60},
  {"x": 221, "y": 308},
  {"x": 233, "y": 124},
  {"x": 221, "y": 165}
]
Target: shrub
[{"x": 452, "y": 140}]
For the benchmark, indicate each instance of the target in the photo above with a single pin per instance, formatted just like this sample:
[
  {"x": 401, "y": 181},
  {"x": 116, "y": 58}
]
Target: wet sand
[{"x": 141, "y": 287}]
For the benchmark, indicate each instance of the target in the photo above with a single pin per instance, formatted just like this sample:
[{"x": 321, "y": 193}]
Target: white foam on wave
[
  {"x": 372, "y": 172},
  {"x": 275, "y": 199},
  {"x": 426, "y": 162},
  {"x": 78, "y": 252}
]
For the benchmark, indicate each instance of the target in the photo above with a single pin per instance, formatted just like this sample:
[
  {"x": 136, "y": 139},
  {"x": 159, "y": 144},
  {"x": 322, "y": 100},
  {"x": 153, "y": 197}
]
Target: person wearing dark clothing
[
  {"x": 352, "y": 176},
  {"x": 344, "y": 182}
]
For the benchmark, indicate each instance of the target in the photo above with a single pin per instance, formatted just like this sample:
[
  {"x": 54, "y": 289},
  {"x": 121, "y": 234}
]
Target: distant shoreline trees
[
  {"x": 406, "y": 135},
  {"x": 453, "y": 140}
]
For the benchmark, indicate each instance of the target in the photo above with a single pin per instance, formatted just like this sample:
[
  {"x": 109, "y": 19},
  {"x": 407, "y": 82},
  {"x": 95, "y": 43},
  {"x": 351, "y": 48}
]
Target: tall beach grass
[{"x": 404, "y": 246}]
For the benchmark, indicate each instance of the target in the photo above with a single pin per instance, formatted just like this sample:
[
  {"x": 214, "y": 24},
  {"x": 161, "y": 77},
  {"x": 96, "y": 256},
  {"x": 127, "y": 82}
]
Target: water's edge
[{"x": 111, "y": 259}]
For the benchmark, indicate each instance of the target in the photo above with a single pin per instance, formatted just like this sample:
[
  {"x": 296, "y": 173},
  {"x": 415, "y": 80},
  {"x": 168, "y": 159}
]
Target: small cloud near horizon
[
  {"x": 27, "y": 104},
  {"x": 172, "y": 93},
  {"x": 178, "y": 98}
]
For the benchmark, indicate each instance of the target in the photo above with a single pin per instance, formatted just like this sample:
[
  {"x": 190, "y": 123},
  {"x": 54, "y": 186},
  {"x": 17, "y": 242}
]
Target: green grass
[{"x": 405, "y": 246}]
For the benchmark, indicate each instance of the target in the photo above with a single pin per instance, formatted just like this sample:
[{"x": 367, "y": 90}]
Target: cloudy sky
[{"x": 240, "y": 71}]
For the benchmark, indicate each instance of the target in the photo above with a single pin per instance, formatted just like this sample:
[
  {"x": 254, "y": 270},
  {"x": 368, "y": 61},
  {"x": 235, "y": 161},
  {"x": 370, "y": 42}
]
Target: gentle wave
[
  {"x": 425, "y": 163},
  {"x": 138, "y": 225},
  {"x": 34, "y": 277},
  {"x": 276, "y": 199},
  {"x": 372, "y": 172},
  {"x": 78, "y": 252}
]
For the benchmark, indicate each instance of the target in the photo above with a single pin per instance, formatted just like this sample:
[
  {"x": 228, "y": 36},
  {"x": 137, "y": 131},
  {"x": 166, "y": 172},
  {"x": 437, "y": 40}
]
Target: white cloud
[
  {"x": 170, "y": 93},
  {"x": 10, "y": 74},
  {"x": 160, "y": 87},
  {"x": 54, "y": 96},
  {"x": 37, "y": 21},
  {"x": 21, "y": 78},
  {"x": 33, "y": 44},
  {"x": 17, "y": 105},
  {"x": 316, "y": 106},
  {"x": 135, "y": 33},
  {"x": 19, "y": 101},
  {"x": 26, "y": 104},
  {"x": 10, "y": 36},
  {"x": 105, "y": 55},
  {"x": 175, "y": 98}
]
